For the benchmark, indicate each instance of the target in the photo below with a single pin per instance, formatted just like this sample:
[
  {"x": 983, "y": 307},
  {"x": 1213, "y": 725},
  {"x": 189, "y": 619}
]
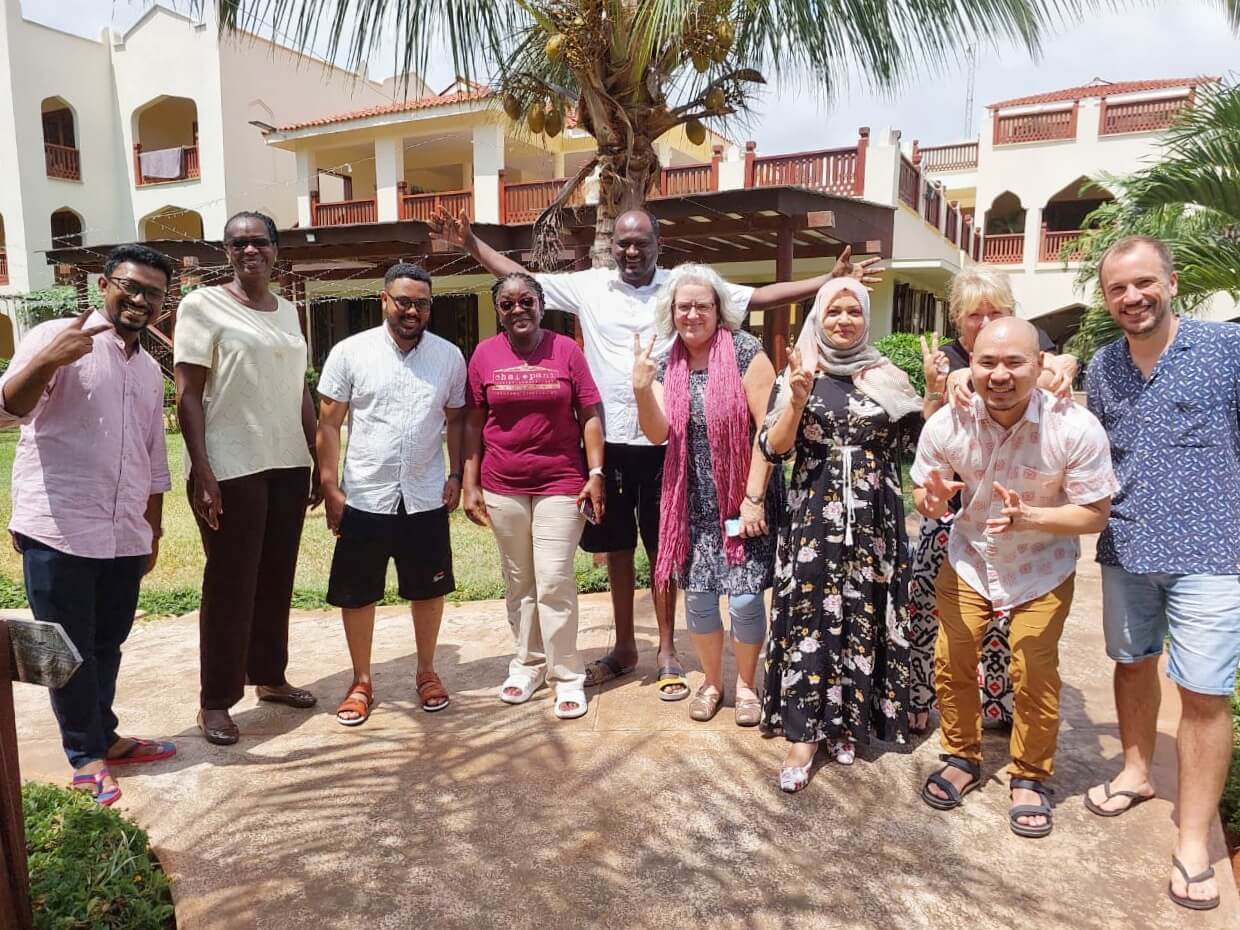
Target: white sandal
[
  {"x": 571, "y": 696},
  {"x": 792, "y": 778},
  {"x": 526, "y": 684},
  {"x": 844, "y": 751}
]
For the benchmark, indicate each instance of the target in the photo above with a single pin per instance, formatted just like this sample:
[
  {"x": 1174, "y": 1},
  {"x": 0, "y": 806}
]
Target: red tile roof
[
  {"x": 403, "y": 106},
  {"x": 1102, "y": 89}
]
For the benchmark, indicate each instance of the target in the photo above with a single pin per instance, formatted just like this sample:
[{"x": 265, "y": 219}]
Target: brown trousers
[
  {"x": 247, "y": 586},
  {"x": 964, "y": 616}
]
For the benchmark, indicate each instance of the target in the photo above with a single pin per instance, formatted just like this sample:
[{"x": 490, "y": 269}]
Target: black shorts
[
  {"x": 634, "y": 487},
  {"x": 419, "y": 542}
]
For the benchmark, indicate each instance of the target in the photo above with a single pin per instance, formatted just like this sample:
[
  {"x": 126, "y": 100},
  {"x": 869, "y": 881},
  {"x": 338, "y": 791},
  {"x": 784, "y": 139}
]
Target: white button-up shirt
[
  {"x": 396, "y": 417},
  {"x": 611, "y": 312},
  {"x": 1056, "y": 454}
]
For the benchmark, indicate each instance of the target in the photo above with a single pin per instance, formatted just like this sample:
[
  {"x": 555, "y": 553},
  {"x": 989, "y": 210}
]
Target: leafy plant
[
  {"x": 53, "y": 303},
  {"x": 904, "y": 350},
  {"x": 89, "y": 866}
]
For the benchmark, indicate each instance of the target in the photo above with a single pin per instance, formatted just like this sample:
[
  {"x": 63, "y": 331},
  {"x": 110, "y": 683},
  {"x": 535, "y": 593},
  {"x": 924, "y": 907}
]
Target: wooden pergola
[{"x": 776, "y": 224}]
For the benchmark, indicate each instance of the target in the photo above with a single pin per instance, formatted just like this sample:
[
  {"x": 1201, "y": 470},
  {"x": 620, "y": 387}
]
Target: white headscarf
[{"x": 871, "y": 371}]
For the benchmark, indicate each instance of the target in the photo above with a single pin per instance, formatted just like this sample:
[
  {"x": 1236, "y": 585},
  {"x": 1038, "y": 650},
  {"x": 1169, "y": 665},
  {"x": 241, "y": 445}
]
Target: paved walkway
[{"x": 488, "y": 816}]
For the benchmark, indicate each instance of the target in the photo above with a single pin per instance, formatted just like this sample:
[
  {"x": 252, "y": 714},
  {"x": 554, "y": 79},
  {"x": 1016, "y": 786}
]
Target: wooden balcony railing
[
  {"x": 4, "y": 267},
  {"x": 341, "y": 212},
  {"x": 189, "y": 166},
  {"x": 524, "y": 201},
  {"x": 951, "y": 225},
  {"x": 1053, "y": 242},
  {"x": 932, "y": 204},
  {"x": 1035, "y": 127},
  {"x": 63, "y": 162},
  {"x": 908, "y": 182},
  {"x": 687, "y": 179},
  {"x": 977, "y": 245},
  {"x": 1004, "y": 249},
  {"x": 960, "y": 157},
  {"x": 420, "y": 206},
  {"x": 833, "y": 171},
  {"x": 1140, "y": 115}
]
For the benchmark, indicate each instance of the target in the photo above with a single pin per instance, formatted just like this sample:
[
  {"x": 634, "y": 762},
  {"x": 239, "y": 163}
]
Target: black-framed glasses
[
  {"x": 526, "y": 302},
  {"x": 241, "y": 244},
  {"x": 421, "y": 304},
  {"x": 152, "y": 295}
]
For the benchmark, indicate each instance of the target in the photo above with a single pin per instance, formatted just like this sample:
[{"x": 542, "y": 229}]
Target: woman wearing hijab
[
  {"x": 837, "y": 665},
  {"x": 705, "y": 402}
]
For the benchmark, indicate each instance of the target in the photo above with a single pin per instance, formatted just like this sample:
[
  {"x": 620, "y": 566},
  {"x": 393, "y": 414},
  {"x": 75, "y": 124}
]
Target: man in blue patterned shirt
[{"x": 1168, "y": 394}]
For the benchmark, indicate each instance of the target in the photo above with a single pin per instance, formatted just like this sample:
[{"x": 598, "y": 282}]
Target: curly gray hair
[{"x": 731, "y": 316}]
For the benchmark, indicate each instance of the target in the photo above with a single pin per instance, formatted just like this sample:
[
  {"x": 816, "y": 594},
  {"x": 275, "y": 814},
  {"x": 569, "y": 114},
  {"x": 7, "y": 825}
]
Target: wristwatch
[
  {"x": 934, "y": 396},
  {"x": 455, "y": 476},
  {"x": 754, "y": 499},
  {"x": 596, "y": 471}
]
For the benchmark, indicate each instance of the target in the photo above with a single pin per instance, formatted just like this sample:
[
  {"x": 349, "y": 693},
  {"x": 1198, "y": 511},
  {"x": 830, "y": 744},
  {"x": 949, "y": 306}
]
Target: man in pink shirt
[
  {"x": 89, "y": 476},
  {"x": 1035, "y": 473}
]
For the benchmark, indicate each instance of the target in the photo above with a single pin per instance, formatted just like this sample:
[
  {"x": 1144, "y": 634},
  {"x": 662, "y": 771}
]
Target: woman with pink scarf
[
  {"x": 837, "y": 666},
  {"x": 705, "y": 401}
]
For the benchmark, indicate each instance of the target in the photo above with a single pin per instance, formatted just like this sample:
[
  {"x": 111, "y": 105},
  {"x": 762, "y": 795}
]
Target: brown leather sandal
[
  {"x": 431, "y": 692},
  {"x": 360, "y": 698}
]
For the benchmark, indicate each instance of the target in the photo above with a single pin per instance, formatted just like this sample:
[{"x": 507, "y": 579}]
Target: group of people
[{"x": 673, "y": 426}]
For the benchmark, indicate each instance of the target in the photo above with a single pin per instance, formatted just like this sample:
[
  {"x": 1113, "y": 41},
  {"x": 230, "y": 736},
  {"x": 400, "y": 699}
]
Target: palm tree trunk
[{"x": 625, "y": 178}]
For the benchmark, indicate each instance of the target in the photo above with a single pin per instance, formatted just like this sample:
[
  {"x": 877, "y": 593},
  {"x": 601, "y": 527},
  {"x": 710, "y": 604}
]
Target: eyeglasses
[
  {"x": 240, "y": 245},
  {"x": 421, "y": 304},
  {"x": 687, "y": 307},
  {"x": 508, "y": 304},
  {"x": 152, "y": 295}
]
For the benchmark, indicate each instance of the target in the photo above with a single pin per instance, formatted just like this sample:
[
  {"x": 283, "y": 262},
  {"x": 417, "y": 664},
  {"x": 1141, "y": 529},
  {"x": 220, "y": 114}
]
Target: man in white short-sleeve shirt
[
  {"x": 1034, "y": 474},
  {"x": 400, "y": 386},
  {"x": 613, "y": 305}
]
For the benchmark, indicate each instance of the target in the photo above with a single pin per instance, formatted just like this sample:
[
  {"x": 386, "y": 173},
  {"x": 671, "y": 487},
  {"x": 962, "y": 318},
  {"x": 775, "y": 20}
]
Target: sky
[{"x": 1150, "y": 40}]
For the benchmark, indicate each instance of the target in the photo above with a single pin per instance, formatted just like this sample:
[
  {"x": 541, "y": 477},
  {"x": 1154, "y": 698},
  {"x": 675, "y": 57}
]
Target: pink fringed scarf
[{"x": 727, "y": 427}]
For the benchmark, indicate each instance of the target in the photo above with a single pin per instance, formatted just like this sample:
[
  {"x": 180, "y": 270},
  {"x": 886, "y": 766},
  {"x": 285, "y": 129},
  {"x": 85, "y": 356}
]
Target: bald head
[
  {"x": 1005, "y": 366},
  {"x": 1007, "y": 333},
  {"x": 635, "y": 247}
]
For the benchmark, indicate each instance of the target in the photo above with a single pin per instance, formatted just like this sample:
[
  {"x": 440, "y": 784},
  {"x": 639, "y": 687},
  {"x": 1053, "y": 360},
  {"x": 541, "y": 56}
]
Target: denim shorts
[{"x": 1201, "y": 613}]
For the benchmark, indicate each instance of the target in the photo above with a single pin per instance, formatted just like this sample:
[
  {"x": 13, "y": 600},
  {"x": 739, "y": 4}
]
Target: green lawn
[{"x": 173, "y": 587}]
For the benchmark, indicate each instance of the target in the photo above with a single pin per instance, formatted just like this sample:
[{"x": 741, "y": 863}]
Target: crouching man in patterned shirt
[
  {"x": 399, "y": 385},
  {"x": 1035, "y": 473},
  {"x": 1168, "y": 394}
]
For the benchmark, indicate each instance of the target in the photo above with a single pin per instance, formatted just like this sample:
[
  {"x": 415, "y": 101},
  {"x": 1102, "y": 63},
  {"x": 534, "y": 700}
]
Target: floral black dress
[{"x": 837, "y": 664}]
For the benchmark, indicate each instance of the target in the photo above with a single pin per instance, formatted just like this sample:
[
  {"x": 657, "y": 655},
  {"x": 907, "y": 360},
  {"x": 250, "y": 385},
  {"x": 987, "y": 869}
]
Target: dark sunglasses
[
  {"x": 152, "y": 295},
  {"x": 509, "y": 304},
  {"x": 240, "y": 245}
]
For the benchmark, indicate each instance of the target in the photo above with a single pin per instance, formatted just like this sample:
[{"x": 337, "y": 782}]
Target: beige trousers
[{"x": 537, "y": 539}]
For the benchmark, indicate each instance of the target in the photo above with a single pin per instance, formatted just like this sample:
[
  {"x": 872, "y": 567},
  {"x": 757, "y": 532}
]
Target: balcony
[
  {"x": 832, "y": 171},
  {"x": 419, "y": 207},
  {"x": 1004, "y": 249},
  {"x": 1140, "y": 115},
  {"x": 687, "y": 179},
  {"x": 947, "y": 158},
  {"x": 165, "y": 166},
  {"x": 342, "y": 212},
  {"x": 1053, "y": 242},
  {"x": 63, "y": 162},
  {"x": 1035, "y": 127},
  {"x": 933, "y": 203},
  {"x": 525, "y": 201}
]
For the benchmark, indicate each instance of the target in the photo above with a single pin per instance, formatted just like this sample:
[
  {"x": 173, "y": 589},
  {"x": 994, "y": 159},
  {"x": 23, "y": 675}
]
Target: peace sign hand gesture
[
  {"x": 72, "y": 342},
  {"x": 1013, "y": 514},
  {"x": 934, "y": 364},
  {"x": 644, "y": 366},
  {"x": 938, "y": 491},
  {"x": 454, "y": 230},
  {"x": 800, "y": 380}
]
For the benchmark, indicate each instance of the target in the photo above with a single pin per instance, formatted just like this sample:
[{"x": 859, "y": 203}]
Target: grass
[
  {"x": 1229, "y": 807},
  {"x": 89, "y": 866},
  {"x": 173, "y": 587}
]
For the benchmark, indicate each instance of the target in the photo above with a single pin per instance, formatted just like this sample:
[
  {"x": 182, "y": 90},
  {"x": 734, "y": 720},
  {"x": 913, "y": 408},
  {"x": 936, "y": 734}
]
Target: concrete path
[{"x": 488, "y": 816}]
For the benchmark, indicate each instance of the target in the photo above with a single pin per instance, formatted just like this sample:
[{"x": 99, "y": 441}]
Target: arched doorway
[
  {"x": 66, "y": 229},
  {"x": 1004, "y": 225},
  {"x": 165, "y": 134},
  {"x": 171, "y": 222},
  {"x": 60, "y": 149},
  {"x": 1064, "y": 217}
]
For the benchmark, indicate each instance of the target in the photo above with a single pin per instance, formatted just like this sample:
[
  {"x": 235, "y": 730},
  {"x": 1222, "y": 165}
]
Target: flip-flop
[
  {"x": 1041, "y": 809},
  {"x": 955, "y": 796},
  {"x": 104, "y": 797},
  {"x": 606, "y": 669},
  {"x": 1106, "y": 788},
  {"x": 669, "y": 676},
  {"x": 143, "y": 751},
  {"x": 1206, "y": 904}
]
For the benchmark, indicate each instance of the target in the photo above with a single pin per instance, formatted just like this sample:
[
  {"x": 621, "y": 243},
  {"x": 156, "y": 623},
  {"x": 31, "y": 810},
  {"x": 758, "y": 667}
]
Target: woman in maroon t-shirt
[{"x": 532, "y": 408}]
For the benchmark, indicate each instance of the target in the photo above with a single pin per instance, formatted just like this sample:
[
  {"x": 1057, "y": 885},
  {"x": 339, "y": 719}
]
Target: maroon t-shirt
[{"x": 531, "y": 440}]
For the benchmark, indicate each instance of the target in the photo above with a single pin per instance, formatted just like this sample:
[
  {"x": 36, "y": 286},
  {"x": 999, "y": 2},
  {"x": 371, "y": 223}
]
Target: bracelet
[
  {"x": 755, "y": 499},
  {"x": 596, "y": 471},
  {"x": 935, "y": 397},
  {"x": 455, "y": 476}
]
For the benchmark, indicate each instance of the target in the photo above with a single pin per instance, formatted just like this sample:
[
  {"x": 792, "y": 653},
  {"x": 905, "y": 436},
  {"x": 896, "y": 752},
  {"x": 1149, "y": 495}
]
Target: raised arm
[
  {"x": 649, "y": 393},
  {"x": 781, "y": 436},
  {"x": 459, "y": 232},
  {"x": 25, "y": 387},
  {"x": 782, "y": 293}
]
